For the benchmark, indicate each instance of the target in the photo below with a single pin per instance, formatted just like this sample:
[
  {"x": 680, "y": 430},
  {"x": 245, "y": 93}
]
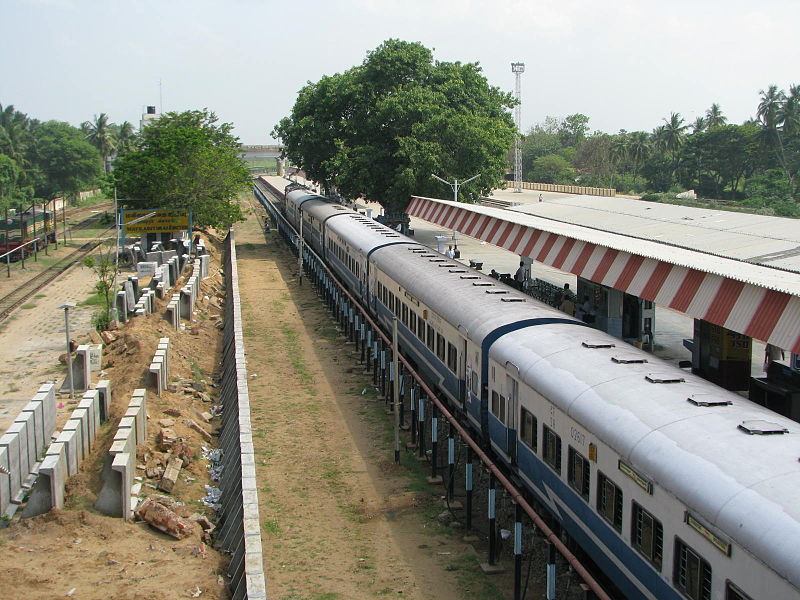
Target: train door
[
  {"x": 512, "y": 407},
  {"x": 463, "y": 374}
]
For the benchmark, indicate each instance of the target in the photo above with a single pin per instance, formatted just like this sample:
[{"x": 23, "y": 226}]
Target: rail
[
  {"x": 495, "y": 472},
  {"x": 12, "y": 300}
]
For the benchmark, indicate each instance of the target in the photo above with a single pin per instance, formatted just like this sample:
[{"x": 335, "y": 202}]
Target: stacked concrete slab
[
  {"x": 239, "y": 532},
  {"x": 159, "y": 367},
  {"x": 120, "y": 492},
  {"x": 22, "y": 446},
  {"x": 174, "y": 311},
  {"x": 81, "y": 371}
]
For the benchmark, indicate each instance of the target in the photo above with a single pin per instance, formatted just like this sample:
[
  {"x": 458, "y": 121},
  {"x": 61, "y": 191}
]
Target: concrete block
[
  {"x": 5, "y": 480},
  {"x": 135, "y": 284},
  {"x": 156, "y": 375},
  {"x": 26, "y": 459},
  {"x": 36, "y": 420},
  {"x": 47, "y": 396},
  {"x": 137, "y": 412},
  {"x": 70, "y": 439},
  {"x": 146, "y": 269},
  {"x": 91, "y": 399},
  {"x": 81, "y": 376},
  {"x": 103, "y": 388},
  {"x": 95, "y": 357},
  {"x": 122, "y": 307},
  {"x": 48, "y": 490},
  {"x": 81, "y": 445},
  {"x": 86, "y": 419}
]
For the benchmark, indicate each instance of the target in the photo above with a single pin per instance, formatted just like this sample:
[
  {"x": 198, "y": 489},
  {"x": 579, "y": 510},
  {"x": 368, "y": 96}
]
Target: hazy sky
[{"x": 624, "y": 63}]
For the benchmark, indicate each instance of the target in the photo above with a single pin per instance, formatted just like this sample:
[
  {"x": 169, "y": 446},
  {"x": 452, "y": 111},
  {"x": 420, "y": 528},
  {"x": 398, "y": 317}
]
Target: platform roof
[
  {"x": 755, "y": 297},
  {"x": 759, "y": 239}
]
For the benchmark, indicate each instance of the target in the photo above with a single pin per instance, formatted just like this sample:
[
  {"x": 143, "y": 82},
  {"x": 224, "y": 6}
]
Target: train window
[
  {"x": 732, "y": 592},
  {"x": 412, "y": 323},
  {"x": 499, "y": 407},
  {"x": 474, "y": 383},
  {"x": 452, "y": 358},
  {"x": 421, "y": 329},
  {"x": 527, "y": 431},
  {"x": 431, "y": 339},
  {"x": 578, "y": 472},
  {"x": 647, "y": 535},
  {"x": 609, "y": 501},
  {"x": 692, "y": 573},
  {"x": 440, "y": 347},
  {"x": 405, "y": 314},
  {"x": 551, "y": 448}
]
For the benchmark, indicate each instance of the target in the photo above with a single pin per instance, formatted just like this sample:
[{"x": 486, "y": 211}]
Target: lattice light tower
[{"x": 518, "y": 69}]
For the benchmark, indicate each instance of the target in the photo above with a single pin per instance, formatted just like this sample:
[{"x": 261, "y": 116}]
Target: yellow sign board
[{"x": 158, "y": 221}]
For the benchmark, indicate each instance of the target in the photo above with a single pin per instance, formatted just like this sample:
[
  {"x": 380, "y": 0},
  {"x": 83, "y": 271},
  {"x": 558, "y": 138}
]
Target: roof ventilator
[
  {"x": 628, "y": 360},
  {"x": 708, "y": 400},
  {"x": 598, "y": 344},
  {"x": 495, "y": 291},
  {"x": 664, "y": 378},
  {"x": 438, "y": 260},
  {"x": 761, "y": 428},
  {"x": 448, "y": 265},
  {"x": 458, "y": 270},
  {"x": 513, "y": 299},
  {"x": 483, "y": 284},
  {"x": 470, "y": 277}
]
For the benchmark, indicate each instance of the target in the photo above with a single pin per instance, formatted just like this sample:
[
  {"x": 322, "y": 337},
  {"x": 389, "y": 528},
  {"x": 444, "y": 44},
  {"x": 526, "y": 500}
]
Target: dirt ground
[{"x": 339, "y": 519}]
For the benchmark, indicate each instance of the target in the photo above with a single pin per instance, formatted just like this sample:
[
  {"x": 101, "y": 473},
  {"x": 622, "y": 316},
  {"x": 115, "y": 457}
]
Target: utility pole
[{"x": 518, "y": 69}]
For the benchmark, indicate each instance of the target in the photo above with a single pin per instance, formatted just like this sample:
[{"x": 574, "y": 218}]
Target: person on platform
[
  {"x": 519, "y": 276},
  {"x": 450, "y": 253},
  {"x": 772, "y": 353},
  {"x": 566, "y": 303}
]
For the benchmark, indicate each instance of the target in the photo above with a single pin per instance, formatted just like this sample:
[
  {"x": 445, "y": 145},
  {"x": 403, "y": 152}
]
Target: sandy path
[
  {"x": 337, "y": 519},
  {"x": 32, "y": 338}
]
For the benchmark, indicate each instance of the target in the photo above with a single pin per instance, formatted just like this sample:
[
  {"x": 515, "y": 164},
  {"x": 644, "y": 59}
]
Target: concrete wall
[
  {"x": 565, "y": 189},
  {"x": 238, "y": 530}
]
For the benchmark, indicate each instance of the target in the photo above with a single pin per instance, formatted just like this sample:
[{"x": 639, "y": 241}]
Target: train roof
[
  {"x": 688, "y": 435},
  {"x": 676, "y": 428}
]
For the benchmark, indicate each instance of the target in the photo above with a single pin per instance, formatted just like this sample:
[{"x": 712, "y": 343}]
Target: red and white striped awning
[{"x": 719, "y": 290}]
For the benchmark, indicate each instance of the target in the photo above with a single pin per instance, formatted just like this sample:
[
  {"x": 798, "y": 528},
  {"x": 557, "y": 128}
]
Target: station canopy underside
[{"x": 757, "y": 300}]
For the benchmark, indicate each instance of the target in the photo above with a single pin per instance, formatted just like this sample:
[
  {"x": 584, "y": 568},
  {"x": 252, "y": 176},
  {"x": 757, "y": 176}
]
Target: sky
[{"x": 626, "y": 64}]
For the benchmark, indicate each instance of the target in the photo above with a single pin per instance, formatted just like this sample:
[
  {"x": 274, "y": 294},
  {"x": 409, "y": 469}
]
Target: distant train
[{"x": 675, "y": 487}]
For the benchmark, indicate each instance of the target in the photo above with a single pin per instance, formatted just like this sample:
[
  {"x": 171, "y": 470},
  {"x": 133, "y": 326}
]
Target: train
[{"x": 673, "y": 486}]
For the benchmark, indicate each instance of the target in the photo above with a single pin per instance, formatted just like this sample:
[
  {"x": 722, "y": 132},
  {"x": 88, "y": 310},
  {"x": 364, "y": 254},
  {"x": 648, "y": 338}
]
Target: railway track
[{"x": 30, "y": 287}]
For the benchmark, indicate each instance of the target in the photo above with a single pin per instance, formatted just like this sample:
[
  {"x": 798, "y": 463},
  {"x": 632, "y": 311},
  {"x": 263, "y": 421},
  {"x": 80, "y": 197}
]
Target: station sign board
[{"x": 159, "y": 220}]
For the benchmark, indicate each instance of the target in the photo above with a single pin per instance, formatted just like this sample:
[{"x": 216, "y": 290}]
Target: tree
[
  {"x": 185, "y": 160},
  {"x": 67, "y": 162},
  {"x": 126, "y": 138},
  {"x": 380, "y": 129},
  {"x": 100, "y": 135},
  {"x": 714, "y": 117},
  {"x": 105, "y": 269},
  {"x": 724, "y": 155},
  {"x": 552, "y": 168},
  {"x": 573, "y": 129},
  {"x": 542, "y": 139},
  {"x": 9, "y": 176},
  {"x": 638, "y": 149},
  {"x": 771, "y": 112}
]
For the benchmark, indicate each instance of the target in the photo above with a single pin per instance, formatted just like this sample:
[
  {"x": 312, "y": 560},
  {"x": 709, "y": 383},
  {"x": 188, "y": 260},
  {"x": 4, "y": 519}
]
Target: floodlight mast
[
  {"x": 455, "y": 184},
  {"x": 518, "y": 69}
]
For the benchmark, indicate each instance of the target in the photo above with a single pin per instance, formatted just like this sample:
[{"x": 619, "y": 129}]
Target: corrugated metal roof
[
  {"x": 760, "y": 239},
  {"x": 758, "y": 300}
]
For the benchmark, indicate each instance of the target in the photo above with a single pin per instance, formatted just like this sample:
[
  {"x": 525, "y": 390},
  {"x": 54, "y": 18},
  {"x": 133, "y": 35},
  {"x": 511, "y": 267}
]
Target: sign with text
[{"x": 154, "y": 221}]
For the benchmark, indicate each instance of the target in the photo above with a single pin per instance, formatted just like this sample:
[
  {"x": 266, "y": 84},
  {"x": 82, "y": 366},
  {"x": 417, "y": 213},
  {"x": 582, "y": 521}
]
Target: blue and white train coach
[{"x": 676, "y": 488}]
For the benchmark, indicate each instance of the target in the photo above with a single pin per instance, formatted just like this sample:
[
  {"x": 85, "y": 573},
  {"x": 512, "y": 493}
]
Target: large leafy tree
[
  {"x": 65, "y": 162},
  {"x": 380, "y": 129},
  {"x": 185, "y": 160}
]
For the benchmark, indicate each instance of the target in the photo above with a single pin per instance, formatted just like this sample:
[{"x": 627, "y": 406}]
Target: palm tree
[
  {"x": 790, "y": 112},
  {"x": 714, "y": 117},
  {"x": 699, "y": 125},
  {"x": 619, "y": 148},
  {"x": 673, "y": 132},
  {"x": 638, "y": 149},
  {"x": 771, "y": 112},
  {"x": 100, "y": 136},
  {"x": 126, "y": 138}
]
